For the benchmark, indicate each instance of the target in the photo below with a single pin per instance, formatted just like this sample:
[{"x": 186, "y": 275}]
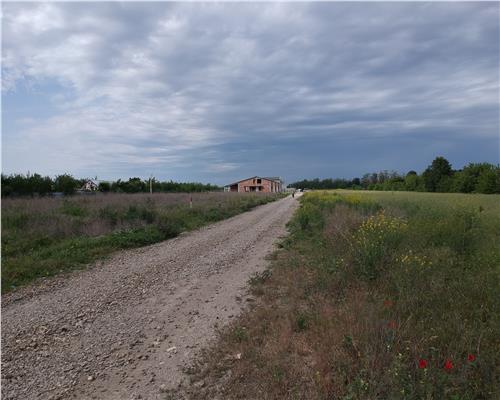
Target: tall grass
[
  {"x": 375, "y": 296},
  {"x": 44, "y": 236}
]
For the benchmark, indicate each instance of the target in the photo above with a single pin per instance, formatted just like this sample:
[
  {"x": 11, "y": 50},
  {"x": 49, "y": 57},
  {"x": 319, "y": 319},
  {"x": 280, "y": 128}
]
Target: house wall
[{"x": 266, "y": 185}]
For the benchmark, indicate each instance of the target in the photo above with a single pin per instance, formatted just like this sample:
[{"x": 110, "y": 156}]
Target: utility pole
[{"x": 151, "y": 184}]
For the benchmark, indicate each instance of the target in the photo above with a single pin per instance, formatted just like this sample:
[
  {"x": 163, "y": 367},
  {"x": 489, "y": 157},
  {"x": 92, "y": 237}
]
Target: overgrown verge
[
  {"x": 43, "y": 237},
  {"x": 385, "y": 299}
]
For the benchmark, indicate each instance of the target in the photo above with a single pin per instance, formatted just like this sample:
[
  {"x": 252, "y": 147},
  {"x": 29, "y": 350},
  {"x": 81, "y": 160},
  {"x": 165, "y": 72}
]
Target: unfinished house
[{"x": 256, "y": 184}]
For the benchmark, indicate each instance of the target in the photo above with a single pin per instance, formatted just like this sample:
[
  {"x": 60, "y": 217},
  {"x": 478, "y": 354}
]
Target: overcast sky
[{"x": 219, "y": 92}]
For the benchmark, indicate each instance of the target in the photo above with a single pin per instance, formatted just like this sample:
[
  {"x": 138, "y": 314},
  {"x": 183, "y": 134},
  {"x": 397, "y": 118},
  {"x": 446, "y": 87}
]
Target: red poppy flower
[
  {"x": 392, "y": 324},
  {"x": 448, "y": 365},
  {"x": 422, "y": 363},
  {"x": 387, "y": 303},
  {"x": 471, "y": 357}
]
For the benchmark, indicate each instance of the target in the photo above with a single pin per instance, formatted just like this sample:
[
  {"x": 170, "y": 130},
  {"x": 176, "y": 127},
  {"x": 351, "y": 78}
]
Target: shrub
[{"x": 169, "y": 226}]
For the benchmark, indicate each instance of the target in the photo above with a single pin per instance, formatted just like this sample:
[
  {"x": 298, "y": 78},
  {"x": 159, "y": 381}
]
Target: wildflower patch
[
  {"x": 374, "y": 241},
  {"x": 375, "y": 296}
]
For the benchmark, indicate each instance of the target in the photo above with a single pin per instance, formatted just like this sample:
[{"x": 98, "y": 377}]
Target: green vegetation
[
  {"x": 37, "y": 185},
  {"x": 438, "y": 177},
  {"x": 65, "y": 184},
  {"x": 45, "y": 236},
  {"x": 374, "y": 295},
  {"x": 136, "y": 185}
]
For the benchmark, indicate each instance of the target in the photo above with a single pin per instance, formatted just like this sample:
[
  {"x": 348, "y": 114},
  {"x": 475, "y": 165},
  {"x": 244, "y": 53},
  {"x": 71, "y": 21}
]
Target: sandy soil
[{"x": 127, "y": 328}]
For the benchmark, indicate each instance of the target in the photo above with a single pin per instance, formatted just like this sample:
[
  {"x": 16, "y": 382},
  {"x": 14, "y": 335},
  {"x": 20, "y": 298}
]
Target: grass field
[
  {"x": 374, "y": 295},
  {"x": 45, "y": 236}
]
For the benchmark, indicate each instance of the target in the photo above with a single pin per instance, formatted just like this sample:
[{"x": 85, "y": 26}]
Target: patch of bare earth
[{"x": 130, "y": 327}]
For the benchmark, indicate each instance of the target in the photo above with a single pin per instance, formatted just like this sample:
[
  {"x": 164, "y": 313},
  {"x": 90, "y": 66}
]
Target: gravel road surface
[{"x": 127, "y": 328}]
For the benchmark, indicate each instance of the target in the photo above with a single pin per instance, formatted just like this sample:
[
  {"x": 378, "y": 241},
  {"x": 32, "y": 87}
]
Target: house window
[
  {"x": 259, "y": 180},
  {"x": 246, "y": 189}
]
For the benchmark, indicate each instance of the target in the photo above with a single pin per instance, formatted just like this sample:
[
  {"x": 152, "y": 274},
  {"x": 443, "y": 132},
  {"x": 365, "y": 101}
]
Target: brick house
[{"x": 256, "y": 184}]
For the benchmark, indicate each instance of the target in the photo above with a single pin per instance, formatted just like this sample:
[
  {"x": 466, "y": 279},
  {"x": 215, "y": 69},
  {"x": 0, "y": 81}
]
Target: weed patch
[
  {"x": 45, "y": 236},
  {"x": 374, "y": 297}
]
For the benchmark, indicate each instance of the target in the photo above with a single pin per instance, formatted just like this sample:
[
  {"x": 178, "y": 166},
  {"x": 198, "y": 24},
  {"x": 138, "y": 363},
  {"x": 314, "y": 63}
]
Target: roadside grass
[
  {"x": 372, "y": 296},
  {"x": 45, "y": 236}
]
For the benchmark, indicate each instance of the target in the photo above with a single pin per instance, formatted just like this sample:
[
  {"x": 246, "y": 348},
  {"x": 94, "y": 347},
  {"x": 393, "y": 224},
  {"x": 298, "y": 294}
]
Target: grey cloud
[{"x": 167, "y": 86}]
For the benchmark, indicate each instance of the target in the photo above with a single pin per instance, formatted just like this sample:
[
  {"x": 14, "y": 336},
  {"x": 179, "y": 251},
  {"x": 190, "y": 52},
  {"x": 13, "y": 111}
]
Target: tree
[
  {"x": 19, "y": 184},
  {"x": 488, "y": 181},
  {"x": 39, "y": 184},
  {"x": 445, "y": 184},
  {"x": 476, "y": 177},
  {"x": 135, "y": 185},
  {"x": 383, "y": 176},
  {"x": 65, "y": 183},
  {"x": 439, "y": 170},
  {"x": 26, "y": 185},
  {"x": 365, "y": 181},
  {"x": 104, "y": 187}
]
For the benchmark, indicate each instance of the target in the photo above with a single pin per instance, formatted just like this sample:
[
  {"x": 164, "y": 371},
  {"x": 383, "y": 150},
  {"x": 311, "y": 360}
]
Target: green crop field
[
  {"x": 374, "y": 295},
  {"x": 45, "y": 236},
  {"x": 489, "y": 204}
]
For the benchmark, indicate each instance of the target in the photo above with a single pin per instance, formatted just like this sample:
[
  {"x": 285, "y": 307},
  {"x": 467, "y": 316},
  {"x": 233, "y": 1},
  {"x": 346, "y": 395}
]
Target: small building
[
  {"x": 89, "y": 186},
  {"x": 256, "y": 184}
]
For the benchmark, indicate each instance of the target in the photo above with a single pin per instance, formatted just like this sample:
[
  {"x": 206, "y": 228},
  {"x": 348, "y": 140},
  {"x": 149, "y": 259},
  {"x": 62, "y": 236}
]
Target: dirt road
[{"x": 127, "y": 328}]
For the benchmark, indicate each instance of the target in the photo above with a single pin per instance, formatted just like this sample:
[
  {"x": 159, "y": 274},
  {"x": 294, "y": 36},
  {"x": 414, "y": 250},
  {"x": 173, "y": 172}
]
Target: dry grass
[
  {"x": 45, "y": 236},
  {"x": 93, "y": 214},
  {"x": 295, "y": 331}
]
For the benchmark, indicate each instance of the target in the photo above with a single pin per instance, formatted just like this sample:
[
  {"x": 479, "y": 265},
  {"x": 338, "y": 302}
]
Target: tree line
[
  {"x": 437, "y": 177},
  {"x": 38, "y": 185}
]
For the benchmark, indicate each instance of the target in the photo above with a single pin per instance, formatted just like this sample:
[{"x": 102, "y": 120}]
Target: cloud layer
[{"x": 216, "y": 92}]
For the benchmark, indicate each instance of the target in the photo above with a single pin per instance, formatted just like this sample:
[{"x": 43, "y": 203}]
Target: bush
[{"x": 169, "y": 225}]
